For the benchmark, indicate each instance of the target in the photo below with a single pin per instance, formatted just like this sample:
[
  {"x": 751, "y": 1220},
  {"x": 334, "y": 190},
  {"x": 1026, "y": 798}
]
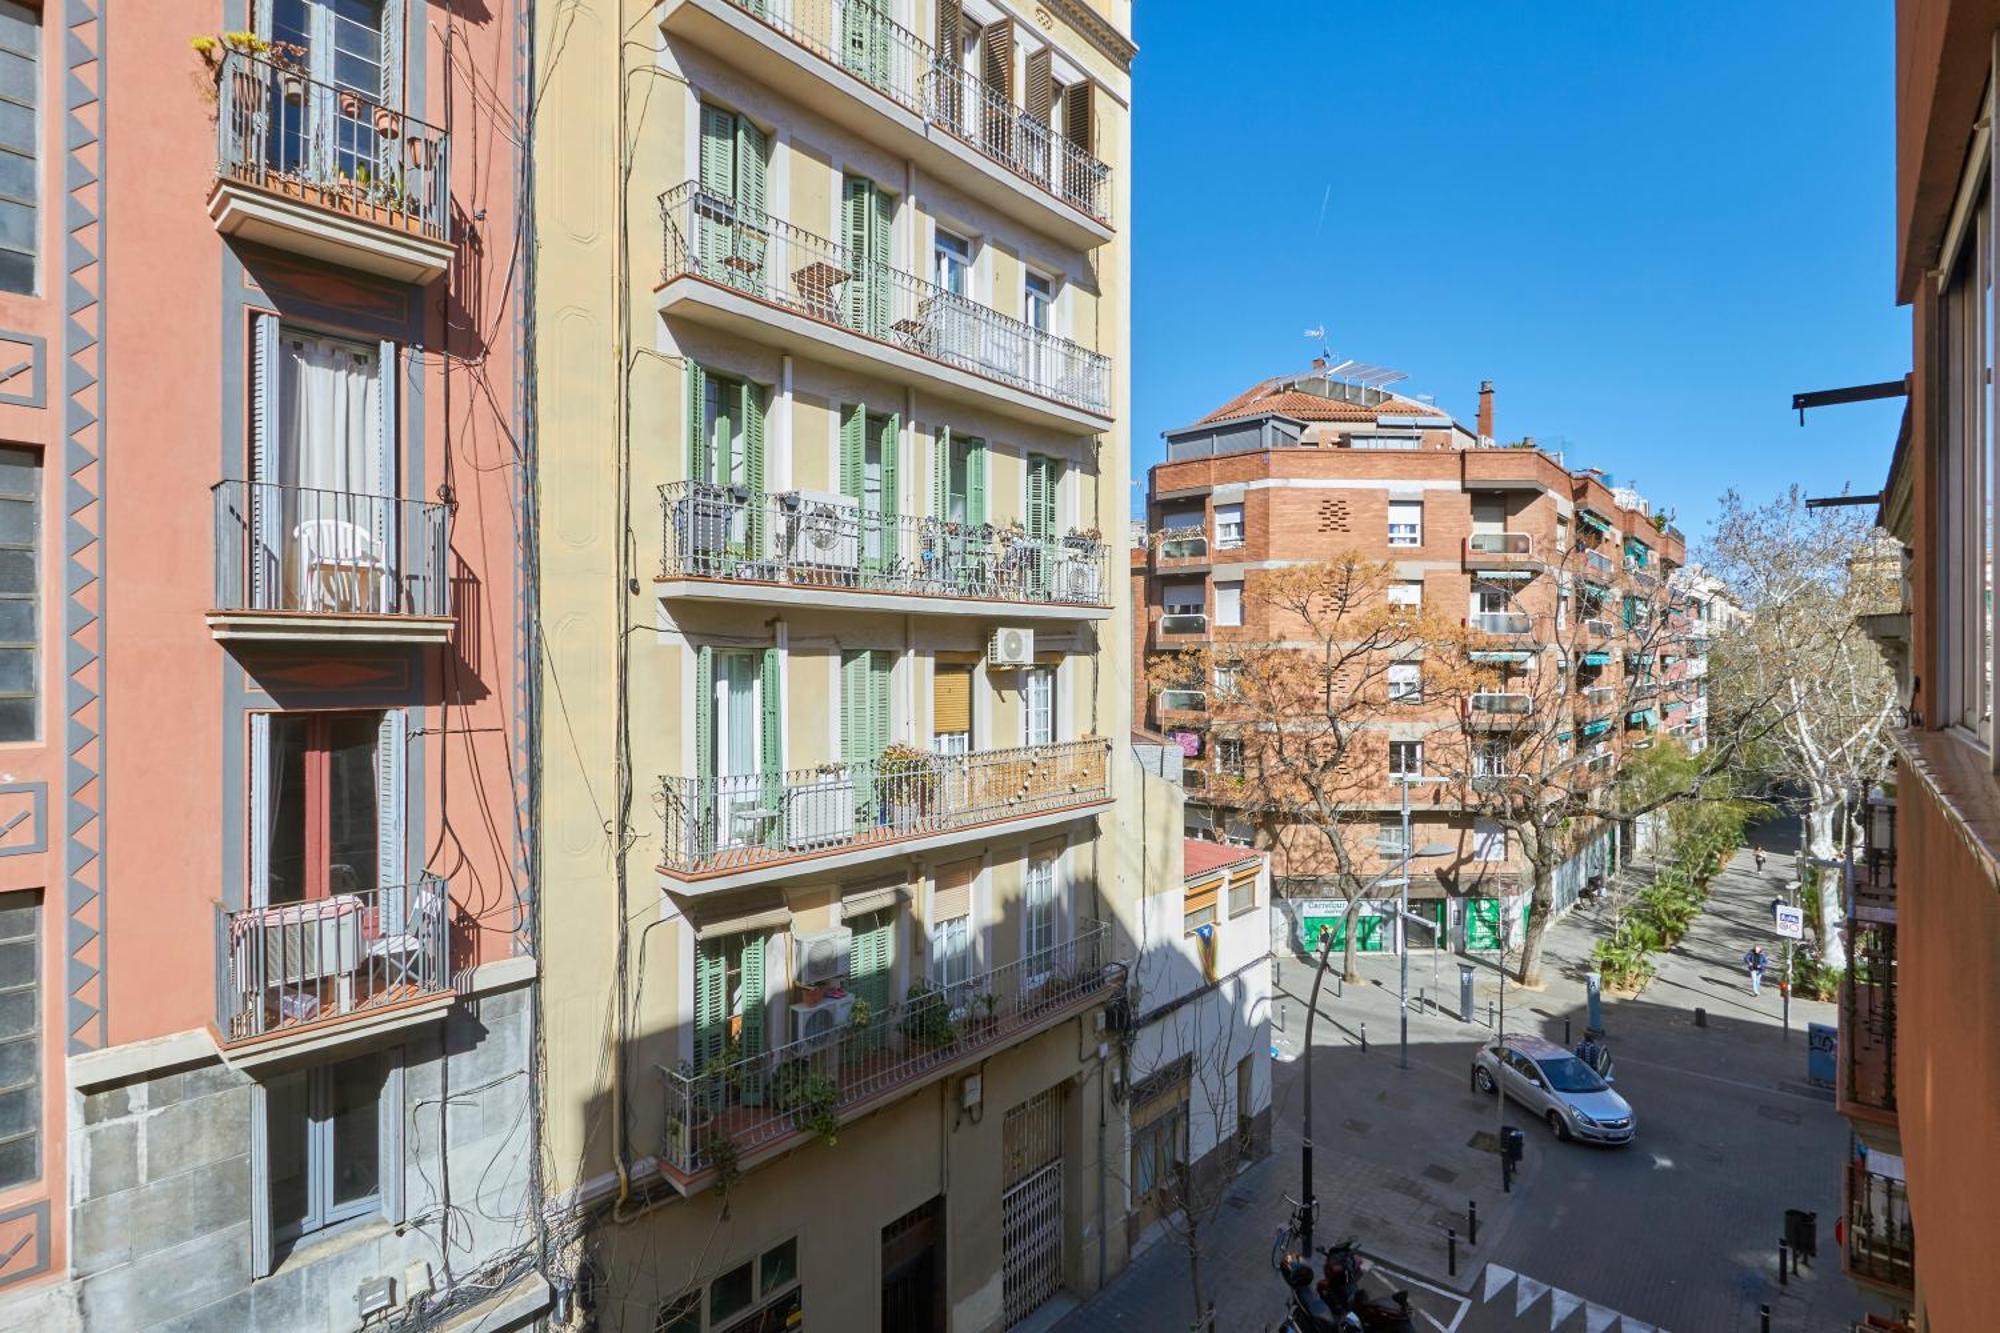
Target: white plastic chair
[{"x": 338, "y": 562}]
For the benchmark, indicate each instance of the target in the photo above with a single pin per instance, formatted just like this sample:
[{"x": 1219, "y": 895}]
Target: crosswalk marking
[{"x": 1562, "y": 1304}]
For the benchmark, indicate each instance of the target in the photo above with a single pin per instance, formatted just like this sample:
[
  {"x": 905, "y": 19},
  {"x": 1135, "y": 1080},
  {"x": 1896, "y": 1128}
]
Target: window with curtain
[
  {"x": 20, "y": 1038},
  {"x": 20, "y": 593},
  {"x": 1038, "y": 705},
  {"x": 1406, "y": 682},
  {"x": 1406, "y": 593},
  {"x": 1229, "y": 603},
  {"x": 323, "y": 805},
  {"x": 20, "y": 144},
  {"x": 324, "y": 1143},
  {"x": 1406, "y": 523},
  {"x": 1041, "y": 909}
]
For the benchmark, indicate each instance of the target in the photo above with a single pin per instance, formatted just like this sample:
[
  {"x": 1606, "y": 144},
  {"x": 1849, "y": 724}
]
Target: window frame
[
  {"x": 1407, "y": 747},
  {"x": 1405, "y": 593},
  {"x": 1229, "y": 536},
  {"x": 31, "y": 1089},
  {"x": 35, "y": 464},
  {"x": 1170, "y": 607},
  {"x": 1405, "y": 682},
  {"x": 1229, "y": 605},
  {"x": 323, "y": 1217},
  {"x": 1413, "y": 532},
  {"x": 33, "y": 18}
]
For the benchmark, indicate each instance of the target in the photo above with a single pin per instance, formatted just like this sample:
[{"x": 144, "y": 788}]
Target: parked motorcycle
[{"x": 1336, "y": 1303}]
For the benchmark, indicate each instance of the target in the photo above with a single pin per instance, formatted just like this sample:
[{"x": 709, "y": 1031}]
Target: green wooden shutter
[
  {"x": 879, "y": 666},
  {"x": 771, "y": 745},
  {"x": 975, "y": 482},
  {"x": 700, "y": 451},
  {"x": 891, "y": 441},
  {"x": 711, "y": 1007},
  {"x": 853, "y": 443},
  {"x": 858, "y": 217},
  {"x": 879, "y": 252},
  {"x": 704, "y": 716},
  {"x": 753, "y": 993},
  {"x": 714, "y": 241},
  {"x": 752, "y": 408},
  {"x": 871, "y": 959},
  {"x": 941, "y": 474},
  {"x": 857, "y": 733},
  {"x": 751, "y": 223}
]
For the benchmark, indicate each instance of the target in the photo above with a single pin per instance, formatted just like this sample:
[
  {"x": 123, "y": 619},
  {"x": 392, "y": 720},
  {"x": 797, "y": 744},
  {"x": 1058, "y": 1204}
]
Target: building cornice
[{"x": 1095, "y": 26}]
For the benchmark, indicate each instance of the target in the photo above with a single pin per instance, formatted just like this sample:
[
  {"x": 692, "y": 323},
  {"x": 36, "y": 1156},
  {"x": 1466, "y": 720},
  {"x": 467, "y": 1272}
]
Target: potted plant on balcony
[
  {"x": 927, "y": 1017},
  {"x": 387, "y": 123},
  {"x": 908, "y": 778}
]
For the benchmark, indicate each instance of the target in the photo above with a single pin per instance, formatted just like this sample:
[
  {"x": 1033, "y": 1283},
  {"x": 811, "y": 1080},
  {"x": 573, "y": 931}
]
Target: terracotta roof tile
[
  {"x": 1200, "y": 857},
  {"x": 1274, "y": 396}
]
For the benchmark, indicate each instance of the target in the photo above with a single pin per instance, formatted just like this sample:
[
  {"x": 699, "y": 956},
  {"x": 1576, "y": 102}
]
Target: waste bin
[
  {"x": 1512, "y": 1143},
  {"x": 1802, "y": 1233}
]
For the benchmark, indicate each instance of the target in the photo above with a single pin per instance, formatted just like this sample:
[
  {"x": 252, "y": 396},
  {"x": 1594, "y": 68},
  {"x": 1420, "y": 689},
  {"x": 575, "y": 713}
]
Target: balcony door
[
  {"x": 323, "y": 440},
  {"x": 868, "y": 217},
  {"x": 326, "y": 792},
  {"x": 870, "y": 445},
  {"x": 351, "y": 53},
  {"x": 737, "y": 733},
  {"x": 724, "y": 519},
  {"x": 732, "y": 231}
]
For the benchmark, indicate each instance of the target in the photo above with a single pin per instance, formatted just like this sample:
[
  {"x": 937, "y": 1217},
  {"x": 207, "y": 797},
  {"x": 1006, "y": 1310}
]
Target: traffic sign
[{"x": 1791, "y": 922}]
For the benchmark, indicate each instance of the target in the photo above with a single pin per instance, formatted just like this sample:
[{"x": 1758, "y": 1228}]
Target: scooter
[{"x": 1335, "y": 1303}]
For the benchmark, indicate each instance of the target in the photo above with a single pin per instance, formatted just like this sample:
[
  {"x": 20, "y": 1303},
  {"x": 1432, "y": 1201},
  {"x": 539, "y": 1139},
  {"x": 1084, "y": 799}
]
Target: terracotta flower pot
[
  {"x": 385, "y": 122},
  {"x": 292, "y": 85}
]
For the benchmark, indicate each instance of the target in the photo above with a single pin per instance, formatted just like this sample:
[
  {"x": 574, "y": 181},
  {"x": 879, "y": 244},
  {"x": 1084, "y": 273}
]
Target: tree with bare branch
[
  {"x": 1297, "y": 707},
  {"x": 1799, "y": 661}
]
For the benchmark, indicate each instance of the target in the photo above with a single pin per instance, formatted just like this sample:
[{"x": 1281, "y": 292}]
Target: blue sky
[{"x": 1648, "y": 224}]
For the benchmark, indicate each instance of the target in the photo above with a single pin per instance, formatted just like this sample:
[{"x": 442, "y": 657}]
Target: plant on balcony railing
[
  {"x": 817, "y": 540},
  {"x": 709, "y": 236},
  {"x": 719, "y": 823},
  {"x": 292, "y": 964},
  {"x": 324, "y": 552},
  {"x": 741, "y": 1102},
  {"x": 326, "y": 144}
]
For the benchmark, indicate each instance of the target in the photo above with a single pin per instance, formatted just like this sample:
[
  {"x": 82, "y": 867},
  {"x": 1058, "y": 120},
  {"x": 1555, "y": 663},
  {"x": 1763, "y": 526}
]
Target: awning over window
[
  {"x": 1503, "y": 575},
  {"x": 1638, "y": 550},
  {"x": 1595, "y": 589},
  {"x": 1596, "y": 659},
  {"x": 1597, "y": 728},
  {"x": 1592, "y": 519},
  {"x": 1499, "y": 656},
  {"x": 1640, "y": 717}
]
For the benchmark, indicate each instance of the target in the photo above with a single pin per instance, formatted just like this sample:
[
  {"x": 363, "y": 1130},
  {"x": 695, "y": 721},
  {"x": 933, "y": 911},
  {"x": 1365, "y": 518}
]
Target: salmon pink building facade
[{"x": 265, "y": 959}]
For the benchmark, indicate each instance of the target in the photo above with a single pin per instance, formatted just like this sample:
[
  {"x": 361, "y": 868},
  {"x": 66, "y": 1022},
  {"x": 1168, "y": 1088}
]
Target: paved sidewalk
[{"x": 1678, "y": 1231}]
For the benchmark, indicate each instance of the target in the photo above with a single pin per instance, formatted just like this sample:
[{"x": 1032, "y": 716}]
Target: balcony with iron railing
[
  {"x": 299, "y": 564},
  {"x": 727, "y": 543},
  {"x": 1502, "y": 624},
  {"x": 748, "y": 273},
  {"x": 298, "y": 968},
  {"x": 855, "y": 66},
  {"x": 328, "y": 171},
  {"x": 1866, "y": 1087},
  {"x": 727, "y": 831},
  {"x": 1498, "y": 709},
  {"x": 1880, "y": 1249},
  {"x": 1500, "y": 550},
  {"x": 736, "y": 1109}
]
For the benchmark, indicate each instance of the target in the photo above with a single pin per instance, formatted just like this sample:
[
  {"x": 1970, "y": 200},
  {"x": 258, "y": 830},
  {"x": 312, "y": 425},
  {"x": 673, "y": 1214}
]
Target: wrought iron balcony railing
[
  {"x": 738, "y": 821},
  {"x": 329, "y": 146},
  {"x": 320, "y": 552},
  {"x": 295, "y": 964},
  {"x": 810, "y": 539},
  {"x": 861, "y": 38},
  {"x": 971, "y": 110},
  {"x": 1501, "y": 622},
  {"x": 1868, "y": 1018},
  {"x": 735, "y": 1104},
  {"x": 709, "y": 237},
  {"x": 1881, "y": 1242}
]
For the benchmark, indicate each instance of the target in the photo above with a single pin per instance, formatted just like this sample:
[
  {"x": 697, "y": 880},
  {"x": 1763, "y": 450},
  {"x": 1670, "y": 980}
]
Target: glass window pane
[
  {"x": 17, "y": 127},
  {"x": 285, "y": 807},
  {"x": 17, "y": 77},
  {"x": 17, "y": 1160},
  {"x": 17, "y": 272},
  {"x": 354, "y": 1105},
  {"x": 17, "y": 571},
  {"x": 17, "y": 521},
  {"x": 683, "y": 1316},
  {"x": 285, "y": 1137},
  {"x": 729, "y": 1294},
  {"x": 781, "y": 1265},
  {"x": 17, "y": 720},
  {"x": 19, "y": 29},
  {"x": 17, "y": 676},
  {"x": 352, "y": 811},
  {"x": 20, "y": 471},
  {"x": 17, "y": 621},
  {"x": 17, "y": 175},
  {"x": 17, "y": 222},
  {"x": 18, "y": 1061}
]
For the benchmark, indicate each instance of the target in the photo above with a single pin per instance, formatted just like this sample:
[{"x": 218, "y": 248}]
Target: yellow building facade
[{"x": 831, "y": 355}]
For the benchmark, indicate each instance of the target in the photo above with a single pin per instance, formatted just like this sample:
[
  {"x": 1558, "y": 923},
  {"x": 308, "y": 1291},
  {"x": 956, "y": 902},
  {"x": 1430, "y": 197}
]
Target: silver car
[{"x": 1555, "y": 1085}]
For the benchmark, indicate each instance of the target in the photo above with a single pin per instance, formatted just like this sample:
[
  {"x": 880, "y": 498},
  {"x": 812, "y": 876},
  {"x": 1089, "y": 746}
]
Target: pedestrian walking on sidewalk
[
  {"x": 1756, "y": 961},
  {"x": 1757, "y": 853}
]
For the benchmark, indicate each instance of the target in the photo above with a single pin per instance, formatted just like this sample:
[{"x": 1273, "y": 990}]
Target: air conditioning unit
[
  {"x": 820, "y": 1023},
  {"x": 820, "y": 958},
  {"x": 1011, "y": 647},
  {"x": 821, "y": 529}
]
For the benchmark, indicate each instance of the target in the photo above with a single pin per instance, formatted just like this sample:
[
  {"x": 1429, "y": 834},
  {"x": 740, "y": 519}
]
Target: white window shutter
[
  {"x": 391, "y": 822},
  {"x": 260, "y": 1180},
  {"x": 394, "y": 1198},
  {"x": 266, "y": 503},
  {"x": 260, "y": 810},
  {"x": 394, "y": 597}
]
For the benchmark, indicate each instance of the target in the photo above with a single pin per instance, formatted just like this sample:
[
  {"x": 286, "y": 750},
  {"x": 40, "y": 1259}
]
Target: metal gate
[{"x": 1031, "y": 1209}]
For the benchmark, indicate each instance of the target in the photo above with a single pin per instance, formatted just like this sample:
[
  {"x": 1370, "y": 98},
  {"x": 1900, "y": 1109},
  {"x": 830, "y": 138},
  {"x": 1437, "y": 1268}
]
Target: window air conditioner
[
  {"x": 820, "y": 958},
  {"x": 1011, "y": 647},
  {"x": 822, "y": 1022},
  {"x": 821, "y": 529}
]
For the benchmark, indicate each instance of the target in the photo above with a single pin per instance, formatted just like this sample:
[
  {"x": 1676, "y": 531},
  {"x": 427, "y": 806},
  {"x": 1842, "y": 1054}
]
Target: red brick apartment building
[
  {"x": 1551, "y": 566},
  {"x": 1920, "y": 1027}
]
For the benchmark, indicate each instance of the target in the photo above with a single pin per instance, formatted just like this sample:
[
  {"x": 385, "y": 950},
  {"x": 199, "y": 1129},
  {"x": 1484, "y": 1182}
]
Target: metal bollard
[
  {"x": 1364, "y": 1039},
  {"x": 1450, "y": 1252},
  {"x": 1472, "y": 1221},
  {"x": 1701, "y": 1018},
  {"x": 1489, "y": 1013},
  {"x": 1784, "y": 1262},
  {"x": 1281, "y": 1015},
  {"x": 1565, "y": 1032},
  {"x": 1763, "y": 1319}
]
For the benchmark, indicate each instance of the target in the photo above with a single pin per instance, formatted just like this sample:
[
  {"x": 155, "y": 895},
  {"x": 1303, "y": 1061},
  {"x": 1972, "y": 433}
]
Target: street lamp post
[{"x": 1403, "y": 917}]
